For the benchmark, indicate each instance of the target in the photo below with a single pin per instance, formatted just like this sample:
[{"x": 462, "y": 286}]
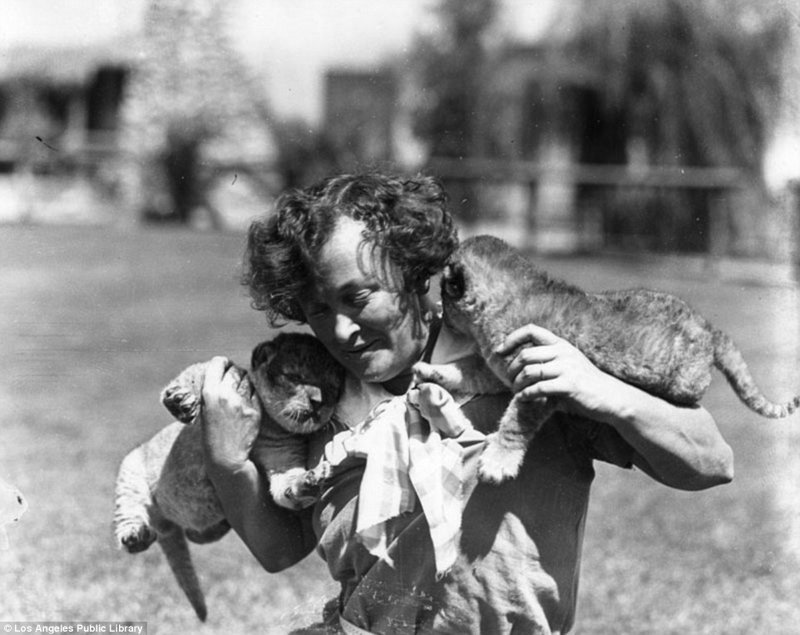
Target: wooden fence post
[{"x": 719, "y": 232}]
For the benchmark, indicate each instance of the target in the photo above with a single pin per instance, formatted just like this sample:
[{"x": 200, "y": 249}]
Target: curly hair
[{"x": 407, "y": 218}]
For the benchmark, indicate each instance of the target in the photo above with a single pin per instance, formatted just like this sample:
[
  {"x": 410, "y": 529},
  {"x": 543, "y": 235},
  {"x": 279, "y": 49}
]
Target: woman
[{"x": 352, "y": 257}]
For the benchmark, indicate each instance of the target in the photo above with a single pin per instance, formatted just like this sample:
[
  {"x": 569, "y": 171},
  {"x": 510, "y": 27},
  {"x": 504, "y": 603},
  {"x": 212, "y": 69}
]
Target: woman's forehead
[
  {"x": 348, "y": 258},
  {"x": 341, "y": 253}
]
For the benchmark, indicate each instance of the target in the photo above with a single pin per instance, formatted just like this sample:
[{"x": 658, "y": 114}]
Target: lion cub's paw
[
  {"x": 298, "y": 488},
  {"x": 498, "y": 464},
  {"x": 182, "y": 401},
  {"x": 182, "y": 395},
  {"x": 425, "y": 372},
  {"x": 306, "y": 488},
  {"x": 138, "y": 539}
]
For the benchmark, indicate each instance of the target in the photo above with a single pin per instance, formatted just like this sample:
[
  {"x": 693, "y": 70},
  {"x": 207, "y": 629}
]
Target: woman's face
[{"x": 363, "y": 324}]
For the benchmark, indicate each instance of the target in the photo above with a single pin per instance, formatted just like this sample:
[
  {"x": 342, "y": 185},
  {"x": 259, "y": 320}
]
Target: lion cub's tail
[
  {"x": 176, "y": 549},
  {"x": 137, "y": 524},
  {"x": 729, "y": 360}
]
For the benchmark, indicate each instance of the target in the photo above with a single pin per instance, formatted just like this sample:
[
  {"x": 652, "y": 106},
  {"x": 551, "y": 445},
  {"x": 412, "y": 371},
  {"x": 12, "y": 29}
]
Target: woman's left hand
[
  {"x": 546, "y": 365},
  {"x": 678, "y": 446}
]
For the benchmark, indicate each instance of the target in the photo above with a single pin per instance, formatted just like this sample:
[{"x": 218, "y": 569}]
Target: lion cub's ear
[{"x": 262, "y": 353}]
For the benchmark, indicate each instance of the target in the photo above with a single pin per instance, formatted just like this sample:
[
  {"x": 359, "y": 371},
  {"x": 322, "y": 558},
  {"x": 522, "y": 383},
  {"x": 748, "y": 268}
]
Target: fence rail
[
  {"x": 707, "y": 229},
  {"x": 586, "y": 174}
]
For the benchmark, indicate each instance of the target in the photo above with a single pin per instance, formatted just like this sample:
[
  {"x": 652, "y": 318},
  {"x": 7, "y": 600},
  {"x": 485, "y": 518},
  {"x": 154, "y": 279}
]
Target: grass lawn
[{"x": 95, "y": 321}]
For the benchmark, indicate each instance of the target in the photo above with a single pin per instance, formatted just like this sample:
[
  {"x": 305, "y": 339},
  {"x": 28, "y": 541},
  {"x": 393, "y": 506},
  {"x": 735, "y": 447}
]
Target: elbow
[
  {"x": 724, "y": 471},
  {"x": 274, "y": 566},
  {"x": 280, "y": 560},
  {"x": 717, "y": 469},
  {"x": 713, "y": 460}
]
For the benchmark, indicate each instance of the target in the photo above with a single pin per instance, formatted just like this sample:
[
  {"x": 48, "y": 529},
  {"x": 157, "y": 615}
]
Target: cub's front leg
[
  {"x": 505, "y": 449},
  {"x": 297, "y": 488},
  {"x": 469, "y": 375}
]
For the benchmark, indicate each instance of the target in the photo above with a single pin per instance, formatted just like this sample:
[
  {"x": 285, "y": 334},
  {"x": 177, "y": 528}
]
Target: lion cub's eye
[{"x": 453, "y": 284}]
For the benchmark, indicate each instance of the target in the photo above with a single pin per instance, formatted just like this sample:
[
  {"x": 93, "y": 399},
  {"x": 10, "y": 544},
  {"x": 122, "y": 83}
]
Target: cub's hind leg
[
  {"x": 133, "y": 503},
  {"x": 505, "y": 449}
]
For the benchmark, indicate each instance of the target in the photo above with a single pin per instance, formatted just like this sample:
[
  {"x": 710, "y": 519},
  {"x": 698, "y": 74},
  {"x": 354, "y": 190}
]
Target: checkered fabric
[{"x": 406, "y": 460}]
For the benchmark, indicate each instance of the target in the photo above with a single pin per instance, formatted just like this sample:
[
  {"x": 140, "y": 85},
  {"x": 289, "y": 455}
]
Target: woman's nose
[{"x": 344, "y": 328}]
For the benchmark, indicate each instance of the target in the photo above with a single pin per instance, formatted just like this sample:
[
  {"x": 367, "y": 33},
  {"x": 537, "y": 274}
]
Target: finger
[
  {"x": 241, "y": 382},
  {"x": 245, "y": 386},
  {"x": 531, "y": 355},
  {"x": 214, "y": 372},
  {"x": 528, "y": 334},
  {"x": 539, "y": 390},
  {"x": 432, "y": 394},
  {"x": 532, "y": 374}
]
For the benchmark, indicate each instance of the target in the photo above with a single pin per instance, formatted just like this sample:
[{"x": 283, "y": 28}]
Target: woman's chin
[{"x": 388, "y": 376}]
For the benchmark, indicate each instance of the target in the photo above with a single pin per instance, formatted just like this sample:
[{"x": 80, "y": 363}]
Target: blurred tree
[
  {"x": 449, "y": 66},
  {"x": 304, "y": 155},
  {"x": 694, "y": 82},
  {"x": 697, "y": 81},
  {"x": 191, "y": 108}
]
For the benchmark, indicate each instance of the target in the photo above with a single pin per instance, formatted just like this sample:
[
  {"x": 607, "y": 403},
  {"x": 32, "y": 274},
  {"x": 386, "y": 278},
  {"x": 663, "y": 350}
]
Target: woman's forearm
[
  {"x": 230, "y": 421},
  {"x": 679, "y": 446},
  {"x": 277, "y": 537}
]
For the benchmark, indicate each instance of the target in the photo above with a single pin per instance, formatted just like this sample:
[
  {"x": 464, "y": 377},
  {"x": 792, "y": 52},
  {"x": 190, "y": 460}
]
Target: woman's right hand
[{"x": 230, "y": 415}]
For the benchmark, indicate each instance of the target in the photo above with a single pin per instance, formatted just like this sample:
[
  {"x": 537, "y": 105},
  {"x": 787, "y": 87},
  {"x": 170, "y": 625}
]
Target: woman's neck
[{"x": 401, "y": 383}]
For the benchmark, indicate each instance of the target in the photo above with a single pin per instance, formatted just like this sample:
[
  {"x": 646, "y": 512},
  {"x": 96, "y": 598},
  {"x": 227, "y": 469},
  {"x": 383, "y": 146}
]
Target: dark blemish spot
[{"x": 45, "y": 144}]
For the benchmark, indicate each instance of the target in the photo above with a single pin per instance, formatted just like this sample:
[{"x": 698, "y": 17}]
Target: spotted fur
[
  {"x": 163, "y": 493},
  {"x": 650, "y": 339}
]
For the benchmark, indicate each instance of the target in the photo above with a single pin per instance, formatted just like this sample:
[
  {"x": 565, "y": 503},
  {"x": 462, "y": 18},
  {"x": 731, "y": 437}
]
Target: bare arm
[
  {"x": 678, "y": 446},
  {"x": 277, "y": 537}
]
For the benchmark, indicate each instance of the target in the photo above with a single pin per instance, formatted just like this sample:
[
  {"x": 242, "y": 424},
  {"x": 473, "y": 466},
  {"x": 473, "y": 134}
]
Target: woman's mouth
[{"x": 356, "y": 351}]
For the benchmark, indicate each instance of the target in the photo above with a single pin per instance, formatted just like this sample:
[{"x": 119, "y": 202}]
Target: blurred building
[
  {"x": 550, "y": 168},
  {"x": 550, "y": 157},
  {"x": 360, "y": 114},
  {"x": 71, "y": 97},
  {"x": 81, "y": 125},
  {"x": 59, "y": 119}
]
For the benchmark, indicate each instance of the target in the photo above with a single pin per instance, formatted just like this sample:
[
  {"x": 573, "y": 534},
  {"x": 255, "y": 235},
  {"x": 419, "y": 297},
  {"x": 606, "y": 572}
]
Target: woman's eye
[{"x": 357, "y": 299}]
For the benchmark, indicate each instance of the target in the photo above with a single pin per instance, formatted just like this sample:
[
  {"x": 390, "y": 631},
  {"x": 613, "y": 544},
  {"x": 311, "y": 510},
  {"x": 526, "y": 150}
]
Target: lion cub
[
  {"x": 162, "y": 490},
  {"x": 649, "y": 339}
]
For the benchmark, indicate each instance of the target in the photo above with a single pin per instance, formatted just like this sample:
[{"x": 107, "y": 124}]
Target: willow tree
[
  {"x": 698, "y": 81},
  {"x": 449, "y": 63}
]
